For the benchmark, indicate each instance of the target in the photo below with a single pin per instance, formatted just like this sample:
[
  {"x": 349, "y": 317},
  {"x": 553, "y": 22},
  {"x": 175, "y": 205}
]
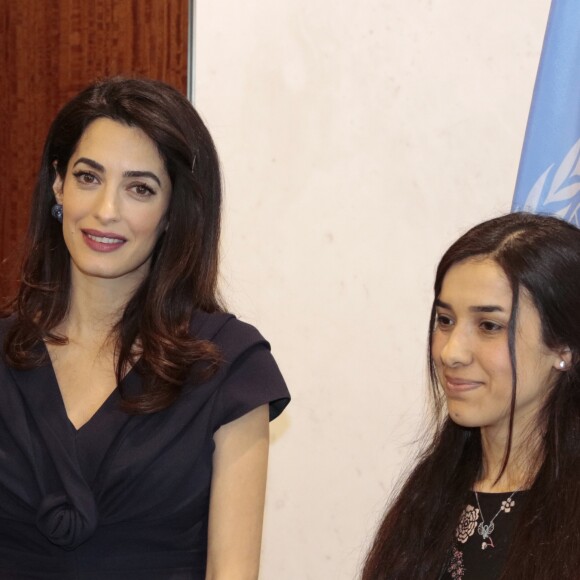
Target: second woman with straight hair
[{"x": 496, "y": 492}]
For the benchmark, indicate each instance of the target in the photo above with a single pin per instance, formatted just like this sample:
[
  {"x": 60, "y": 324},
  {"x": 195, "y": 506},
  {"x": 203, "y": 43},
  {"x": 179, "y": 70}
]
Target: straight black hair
[{"x": 539, "y": 255}]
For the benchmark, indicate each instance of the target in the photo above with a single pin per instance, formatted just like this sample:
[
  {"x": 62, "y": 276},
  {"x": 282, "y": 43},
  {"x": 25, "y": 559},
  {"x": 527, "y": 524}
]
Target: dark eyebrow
[
  {"x": 99, "y": 167},
  {"x": 486, "y": 308},
  {"x": 90, "y": 163},
  {"x": 143, "y": 174},
  {"x": 490, "y": 308}
]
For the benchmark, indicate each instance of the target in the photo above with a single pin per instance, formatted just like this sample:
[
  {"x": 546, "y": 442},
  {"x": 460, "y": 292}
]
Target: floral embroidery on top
[
  {"x": 456, "y": 567},
  {"x": 467, "y": 524}
]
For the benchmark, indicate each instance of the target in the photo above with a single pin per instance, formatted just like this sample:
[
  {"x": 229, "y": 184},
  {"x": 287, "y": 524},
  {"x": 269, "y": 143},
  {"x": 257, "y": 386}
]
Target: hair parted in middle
[
  {"x": 540, "y": 255},
  {"x": 153, "y": 332}
]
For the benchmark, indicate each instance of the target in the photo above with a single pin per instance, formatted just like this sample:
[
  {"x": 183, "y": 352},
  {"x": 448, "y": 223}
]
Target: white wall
[{"x": 358, "y": 140}]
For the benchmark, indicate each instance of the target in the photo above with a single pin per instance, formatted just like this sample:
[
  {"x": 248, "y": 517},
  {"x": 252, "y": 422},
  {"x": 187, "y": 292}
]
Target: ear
[
  {"x": 57, "y": 185},
  {"x": 563, "y": 355}
]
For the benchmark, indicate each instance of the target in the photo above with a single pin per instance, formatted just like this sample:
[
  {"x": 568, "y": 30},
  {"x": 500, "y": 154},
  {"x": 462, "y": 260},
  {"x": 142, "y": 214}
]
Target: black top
[
  {"x": 125, "y": 496},
  {"x": 480, "y": 549}
]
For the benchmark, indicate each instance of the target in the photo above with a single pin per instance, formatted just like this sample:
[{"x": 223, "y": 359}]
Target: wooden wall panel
[{"x": 49, "y": 50}]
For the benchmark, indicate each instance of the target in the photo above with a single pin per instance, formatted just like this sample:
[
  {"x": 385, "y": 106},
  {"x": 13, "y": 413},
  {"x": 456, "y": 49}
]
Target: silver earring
[
  {"x": 562, "y": 364},
  {"x": 56, "y": 212}
]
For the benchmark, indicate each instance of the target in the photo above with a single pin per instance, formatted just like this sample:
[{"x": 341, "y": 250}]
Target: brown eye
[
  {"x": 142, "y": 190},
  {"x": 85, "y": 177},
  {"x": 443, "y": 321},
  {"x": 489, "y": 326}
]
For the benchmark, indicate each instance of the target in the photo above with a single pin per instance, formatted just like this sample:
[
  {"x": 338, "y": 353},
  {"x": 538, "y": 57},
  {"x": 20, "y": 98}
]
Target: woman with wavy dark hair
[
  {"x": 133, "y": 410},
  {"x": 496, "y": 492}
]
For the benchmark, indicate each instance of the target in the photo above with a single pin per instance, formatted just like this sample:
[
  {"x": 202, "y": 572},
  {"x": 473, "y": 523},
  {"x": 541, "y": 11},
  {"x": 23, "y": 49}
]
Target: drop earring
[{"x": 56, "y": 212}]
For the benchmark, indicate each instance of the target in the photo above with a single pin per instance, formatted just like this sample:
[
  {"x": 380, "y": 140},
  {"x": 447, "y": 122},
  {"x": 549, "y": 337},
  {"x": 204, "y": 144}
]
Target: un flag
[{"x": 549, "y": 173}]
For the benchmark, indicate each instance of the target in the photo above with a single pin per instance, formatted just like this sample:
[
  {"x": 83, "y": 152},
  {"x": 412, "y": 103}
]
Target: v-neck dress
[{"x": 124, "y": 497}]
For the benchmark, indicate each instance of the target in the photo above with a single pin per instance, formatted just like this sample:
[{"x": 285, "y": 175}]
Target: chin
[
  {"x": 464, "y": 423},
  {"x": 463, "y": 419},
  {"x": 139, "y": 270}
]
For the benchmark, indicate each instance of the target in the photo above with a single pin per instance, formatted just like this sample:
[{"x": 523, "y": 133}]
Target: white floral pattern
[
  {"x": 467, "y": 545},
  {"x": 467, "y": 523}
]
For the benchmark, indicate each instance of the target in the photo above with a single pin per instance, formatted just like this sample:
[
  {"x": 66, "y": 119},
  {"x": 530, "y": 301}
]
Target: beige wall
[{"x": 358, "y": 140}]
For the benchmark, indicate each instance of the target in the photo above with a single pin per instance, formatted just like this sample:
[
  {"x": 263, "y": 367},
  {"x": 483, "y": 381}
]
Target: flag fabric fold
[{"x": 549, "y": 172}]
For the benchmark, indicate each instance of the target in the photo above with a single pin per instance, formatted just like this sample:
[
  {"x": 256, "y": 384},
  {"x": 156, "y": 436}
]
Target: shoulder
[
  {"x": 248, "y": 375},
  {"x": 227, "y": 332}
]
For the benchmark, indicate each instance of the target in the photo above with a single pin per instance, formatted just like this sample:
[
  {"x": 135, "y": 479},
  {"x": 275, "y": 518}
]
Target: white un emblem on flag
[{"x": 559, "y": 196}]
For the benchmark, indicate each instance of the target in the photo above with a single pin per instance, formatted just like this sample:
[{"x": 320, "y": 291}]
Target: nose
[
  {"x": 106, "y": 208},
  {"x": 456, "y": 350}
]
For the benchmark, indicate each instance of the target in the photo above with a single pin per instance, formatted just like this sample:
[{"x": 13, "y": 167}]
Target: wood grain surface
[{"x": 49, "y": 50}]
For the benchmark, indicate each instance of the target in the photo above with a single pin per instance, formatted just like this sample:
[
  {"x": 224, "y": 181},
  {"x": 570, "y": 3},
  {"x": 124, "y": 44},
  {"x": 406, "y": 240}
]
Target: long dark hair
[
  {"x": 540, "y": 254},
  {"x": 153, "y": 331}
]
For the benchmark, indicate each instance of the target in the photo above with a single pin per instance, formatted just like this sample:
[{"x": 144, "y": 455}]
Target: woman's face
[
  {"x": 470, "y": 349},
  {"x": 115, "y": 196}
]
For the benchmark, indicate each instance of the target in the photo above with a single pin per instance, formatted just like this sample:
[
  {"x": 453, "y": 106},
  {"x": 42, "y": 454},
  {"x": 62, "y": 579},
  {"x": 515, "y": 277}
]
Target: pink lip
[
  {"x": 456, "y": 384},
  {"x": 109, "y": 243}
]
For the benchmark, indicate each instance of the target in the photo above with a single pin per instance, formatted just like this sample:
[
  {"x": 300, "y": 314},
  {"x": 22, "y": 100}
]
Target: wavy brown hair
[
  {"x": 540, "y": 254},
  {"x": 152, "y": 333}
]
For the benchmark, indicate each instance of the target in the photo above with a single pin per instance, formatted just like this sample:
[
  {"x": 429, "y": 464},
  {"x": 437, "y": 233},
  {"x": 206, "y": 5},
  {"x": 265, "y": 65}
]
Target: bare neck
[
  {"x": 522, "y": 462},
  {"x": 96, "y": 305}
]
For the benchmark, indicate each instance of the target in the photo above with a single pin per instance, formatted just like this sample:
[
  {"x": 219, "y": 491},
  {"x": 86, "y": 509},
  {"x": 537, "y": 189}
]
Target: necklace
[{"x": 485, "y": 530}]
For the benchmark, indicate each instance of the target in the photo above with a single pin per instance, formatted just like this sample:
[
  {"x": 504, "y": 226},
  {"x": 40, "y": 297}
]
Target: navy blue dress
[{"x": 124, "y": 497}]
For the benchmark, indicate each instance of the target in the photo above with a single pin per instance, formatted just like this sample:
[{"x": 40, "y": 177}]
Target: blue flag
[{"x": 549, "y": 173}]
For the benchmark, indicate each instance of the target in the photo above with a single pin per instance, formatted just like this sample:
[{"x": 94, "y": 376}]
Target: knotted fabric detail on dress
[{"x": 64, "y": 524}]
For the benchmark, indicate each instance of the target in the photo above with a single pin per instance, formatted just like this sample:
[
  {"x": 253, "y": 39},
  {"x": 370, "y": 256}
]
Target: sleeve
[{"x": 251, "y": 376}]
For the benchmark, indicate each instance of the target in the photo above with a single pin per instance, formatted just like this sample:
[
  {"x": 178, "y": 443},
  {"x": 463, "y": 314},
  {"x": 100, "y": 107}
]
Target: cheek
[
  {"x": 497, "y": 361},
  {"x": 437, "y": 345},
  {"x": 536, "y": 376},
  {"x": 148, "y": 223},
  {"x": 496, "y": 364},
  {"x": 75, "y": 206}
]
